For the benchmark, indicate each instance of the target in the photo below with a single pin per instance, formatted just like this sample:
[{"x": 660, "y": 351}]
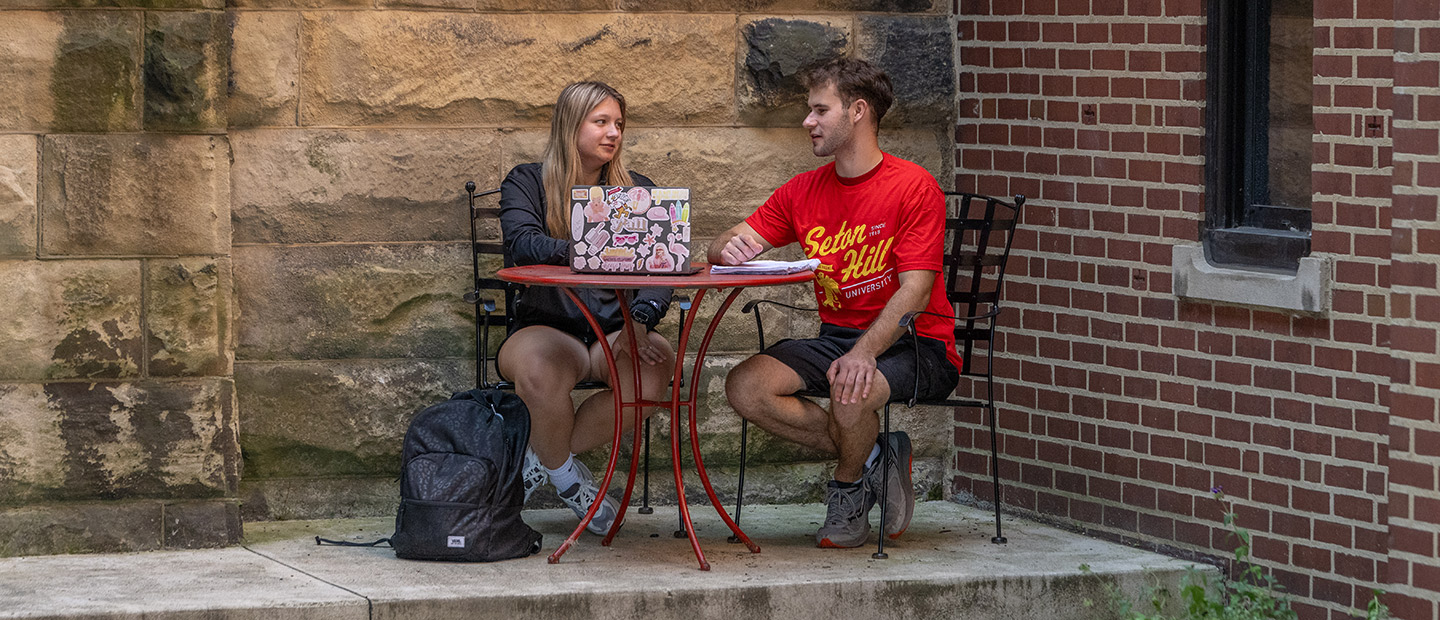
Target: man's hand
[
  {"x": 740, "y": 248},
  {"x": 851, "y": 377},
  {"x": 735, "y": 246}
]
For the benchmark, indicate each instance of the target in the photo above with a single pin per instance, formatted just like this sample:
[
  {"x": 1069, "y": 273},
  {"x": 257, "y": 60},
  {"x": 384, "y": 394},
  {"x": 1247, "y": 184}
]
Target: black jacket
[{"x": 528, "y": 242}]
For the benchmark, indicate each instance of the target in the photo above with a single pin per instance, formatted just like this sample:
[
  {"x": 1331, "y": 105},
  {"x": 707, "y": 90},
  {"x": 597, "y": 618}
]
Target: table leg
[
  {"x": 637, "y": 402},
  {"x": 695, "y": 429},
  {"x": 615, "y": 441},
  {"x": 676, "y": 406}
]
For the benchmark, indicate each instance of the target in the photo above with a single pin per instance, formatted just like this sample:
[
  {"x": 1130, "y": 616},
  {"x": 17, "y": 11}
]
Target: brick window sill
[{"x": 1307, "y": 290}]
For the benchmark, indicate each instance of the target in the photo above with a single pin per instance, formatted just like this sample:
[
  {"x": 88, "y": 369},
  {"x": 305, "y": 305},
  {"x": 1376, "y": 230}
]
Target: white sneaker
[
  {"x": 532, "y": 474},
  {"x": 582, "y": 494}
]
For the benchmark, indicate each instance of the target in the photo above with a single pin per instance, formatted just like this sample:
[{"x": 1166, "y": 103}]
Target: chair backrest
[
  {"x": 489, "y": 313},
  {"x": 488, "y": 291},
  {"x": 977, "y": 242}
]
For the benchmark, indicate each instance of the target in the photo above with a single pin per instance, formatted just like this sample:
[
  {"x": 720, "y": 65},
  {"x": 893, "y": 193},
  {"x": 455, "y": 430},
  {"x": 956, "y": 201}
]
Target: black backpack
[{"x": 460, "y": 488}]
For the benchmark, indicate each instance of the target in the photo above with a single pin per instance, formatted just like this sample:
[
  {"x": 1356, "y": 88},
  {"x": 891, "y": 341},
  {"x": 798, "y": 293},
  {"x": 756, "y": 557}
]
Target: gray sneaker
[
  {"x": 900, "y": 492},
  {"x": 532, "y": 474},
  {"x": 582, "y": 494},
  {"x": 847, "y": 517}
]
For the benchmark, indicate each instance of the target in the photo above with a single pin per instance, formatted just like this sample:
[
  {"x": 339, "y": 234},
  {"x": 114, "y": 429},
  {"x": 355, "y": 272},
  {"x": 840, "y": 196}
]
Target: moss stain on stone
[
  {"x": 90, "y": 354},
  {"x": 180, "y": 58},
  {"x": 277, "y": 457},
  {"x": 318, "y": 156},
  {"x": 85, "y": 426},
  {"x": 162, "y": 424},
  {"x": 780, "y": 49},
  {"x": 226, "y": 442},
  {"x": 778, "y": 52},
  {"x": 93, "y": 81}
]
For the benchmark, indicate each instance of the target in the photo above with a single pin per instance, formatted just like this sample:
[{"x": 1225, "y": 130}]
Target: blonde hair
[{"x": 560, "y": 168}]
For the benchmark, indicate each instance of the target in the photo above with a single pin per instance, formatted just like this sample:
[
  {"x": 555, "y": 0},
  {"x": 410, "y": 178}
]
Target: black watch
[{"x": 647, "y": 312}]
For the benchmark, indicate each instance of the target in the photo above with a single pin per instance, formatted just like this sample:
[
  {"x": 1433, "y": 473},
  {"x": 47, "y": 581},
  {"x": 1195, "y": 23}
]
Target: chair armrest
[
  {"x": 909, "y": 318},
  {"x": 908, "y": 322},
  {"x": 750, "y": 306},
  {"x": 483, "y": 304}
]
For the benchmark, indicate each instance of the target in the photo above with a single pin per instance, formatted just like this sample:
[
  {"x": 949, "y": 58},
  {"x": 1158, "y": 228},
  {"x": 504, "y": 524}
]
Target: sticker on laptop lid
[
  {"x": 597, "y": 237},
  {"x": 617, "y": 259},
  {"x": 640, "y": 198},
  {"x": 597, "y": 211},
  {"x": 660, "y": 259},
  {"x": 579, "y": 193},
  {"x": 670, "y": 193},
  {"x": 577, "y": 222}
]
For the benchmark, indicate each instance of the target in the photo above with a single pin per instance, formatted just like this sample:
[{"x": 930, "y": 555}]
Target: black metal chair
[
  {"x": 978, "y": 239},
  {"x": 488, "y": 313}
]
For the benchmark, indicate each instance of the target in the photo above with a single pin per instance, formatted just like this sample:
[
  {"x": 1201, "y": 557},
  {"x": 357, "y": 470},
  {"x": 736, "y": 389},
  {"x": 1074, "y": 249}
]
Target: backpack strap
[{"x": 347, "y": 543}]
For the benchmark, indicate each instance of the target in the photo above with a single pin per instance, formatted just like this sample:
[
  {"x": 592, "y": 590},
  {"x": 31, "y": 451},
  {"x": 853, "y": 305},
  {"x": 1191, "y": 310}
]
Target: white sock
[
  {"x": 874, "y": 452},
  {"x": 564, "y": 476}
]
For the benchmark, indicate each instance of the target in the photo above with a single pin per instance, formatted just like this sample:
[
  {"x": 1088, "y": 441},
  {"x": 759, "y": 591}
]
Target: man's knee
[
  {"x": 753, "y": 386},
  {"x": 866, "y": 408},
  {"x": 852, "y": 415}
]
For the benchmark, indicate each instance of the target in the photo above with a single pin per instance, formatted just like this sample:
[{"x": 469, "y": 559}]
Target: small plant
[
  {"x": 1376, "y": 610},
  {"x": 1250, "y": 594}
]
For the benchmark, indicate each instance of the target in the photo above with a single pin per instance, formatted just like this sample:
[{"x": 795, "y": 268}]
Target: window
[{"x": 1258, "y": 133}]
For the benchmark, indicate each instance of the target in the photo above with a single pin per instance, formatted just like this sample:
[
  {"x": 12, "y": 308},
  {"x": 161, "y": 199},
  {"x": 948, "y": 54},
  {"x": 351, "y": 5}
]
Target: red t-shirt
[{"x": 865, "y": 231}]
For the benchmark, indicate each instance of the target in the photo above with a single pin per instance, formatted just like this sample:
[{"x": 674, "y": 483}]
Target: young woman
[{"x": 551, "y": 346}]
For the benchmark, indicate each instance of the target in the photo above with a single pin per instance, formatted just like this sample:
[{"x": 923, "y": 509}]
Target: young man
[{"x": 876, "y": 222}]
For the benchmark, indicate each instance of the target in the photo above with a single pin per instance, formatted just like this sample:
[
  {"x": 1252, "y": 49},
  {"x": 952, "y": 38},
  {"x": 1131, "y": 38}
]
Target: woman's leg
[
  {"x": 545, "y": 364},
  {"x": 595, "y": 421}
]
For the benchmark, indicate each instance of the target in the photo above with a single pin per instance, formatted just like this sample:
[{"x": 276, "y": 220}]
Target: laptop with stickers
[{"x": 624, "y": 229}]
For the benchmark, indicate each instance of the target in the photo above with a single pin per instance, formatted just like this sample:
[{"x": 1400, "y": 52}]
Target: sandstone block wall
[
  {"x": 232, "y": 237},
  {"x": 118, "y": 426}
]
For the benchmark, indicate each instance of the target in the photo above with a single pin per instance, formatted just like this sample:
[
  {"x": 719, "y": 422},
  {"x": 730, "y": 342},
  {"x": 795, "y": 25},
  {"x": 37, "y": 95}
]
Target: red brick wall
[
  {"x": 1123, "y": 405},
  {"x": 1414, "y": 505}
]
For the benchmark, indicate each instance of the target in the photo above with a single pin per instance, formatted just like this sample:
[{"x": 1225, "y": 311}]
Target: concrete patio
[{"x": 944, "y": 567}]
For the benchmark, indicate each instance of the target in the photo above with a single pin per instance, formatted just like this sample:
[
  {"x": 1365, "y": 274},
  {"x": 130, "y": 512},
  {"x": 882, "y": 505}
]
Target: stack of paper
[{"x": 764, "y": 267}]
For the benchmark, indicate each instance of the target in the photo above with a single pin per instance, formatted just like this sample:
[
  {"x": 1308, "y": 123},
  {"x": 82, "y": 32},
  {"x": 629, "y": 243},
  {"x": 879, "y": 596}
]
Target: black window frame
[{"x": 1241, "y": 229}]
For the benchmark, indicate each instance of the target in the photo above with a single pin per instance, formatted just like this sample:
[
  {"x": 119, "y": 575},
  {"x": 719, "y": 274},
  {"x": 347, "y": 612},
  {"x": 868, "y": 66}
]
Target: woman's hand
[{"x": 649, "y": 344}]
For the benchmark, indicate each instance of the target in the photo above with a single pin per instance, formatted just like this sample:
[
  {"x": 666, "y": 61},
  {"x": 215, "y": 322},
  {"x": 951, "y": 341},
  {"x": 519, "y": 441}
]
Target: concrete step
[{"x": 944, "y": 567}]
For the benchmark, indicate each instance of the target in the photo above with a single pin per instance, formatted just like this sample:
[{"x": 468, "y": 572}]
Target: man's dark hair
[{"x": 855, "y": 79}]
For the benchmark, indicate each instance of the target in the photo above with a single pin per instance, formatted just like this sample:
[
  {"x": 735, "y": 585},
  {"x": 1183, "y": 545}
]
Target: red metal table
[{"x": 561, "y": 277}]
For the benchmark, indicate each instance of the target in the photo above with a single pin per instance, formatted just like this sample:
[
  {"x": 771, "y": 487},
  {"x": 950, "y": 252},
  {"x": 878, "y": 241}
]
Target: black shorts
[{"x": 811, "y": 357}]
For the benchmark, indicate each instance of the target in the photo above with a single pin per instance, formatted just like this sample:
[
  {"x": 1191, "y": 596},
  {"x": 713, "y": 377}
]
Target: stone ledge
[
  {"x": 118, "y": 527},
  {"x": 1308, "y": 290},
  {"x": 944, "y": 567}
]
